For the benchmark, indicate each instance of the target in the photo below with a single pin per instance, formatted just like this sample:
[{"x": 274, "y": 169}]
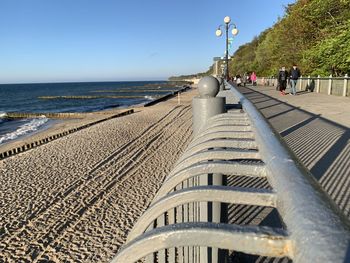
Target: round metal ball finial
[{"x": 208, "y": 87}]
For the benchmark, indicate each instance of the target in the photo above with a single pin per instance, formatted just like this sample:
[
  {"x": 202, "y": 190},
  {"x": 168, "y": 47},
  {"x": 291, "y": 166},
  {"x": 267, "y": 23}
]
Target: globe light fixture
[
  {"x": 227, "y": 20},
  {"x": 234, "y": 32},
  {"x": 218, "y": 32}
]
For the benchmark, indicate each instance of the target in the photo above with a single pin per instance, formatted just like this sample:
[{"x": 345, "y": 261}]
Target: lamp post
[{"x": 218, "y": 33}]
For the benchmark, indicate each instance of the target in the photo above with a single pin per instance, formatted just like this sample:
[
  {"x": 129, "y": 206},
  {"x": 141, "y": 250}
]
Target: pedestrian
[
  {"x": 238, "y": 80},
  {"x": 278, "y": 81},
  {"x": 294, "y": 76},
  {"x": 245, "y": 78},
  {"x": 282, "y": 80},
  {"x": 253, "y": 78}
]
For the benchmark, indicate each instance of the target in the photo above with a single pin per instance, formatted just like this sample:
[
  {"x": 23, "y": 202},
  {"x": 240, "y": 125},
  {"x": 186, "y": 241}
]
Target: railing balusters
[
  {"x": 315, "y": 229},
  {"x": 337, "y": 86}
]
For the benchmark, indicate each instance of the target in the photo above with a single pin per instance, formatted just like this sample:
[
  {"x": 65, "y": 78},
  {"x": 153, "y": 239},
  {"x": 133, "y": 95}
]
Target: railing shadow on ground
[
  {"x": 304, "y": 140},
  {"x": 323, "y": 146},
  {"x": 240, "y": 148},
  {"x": 253, "y": 215},
  {"x": 263, "y": 216}
]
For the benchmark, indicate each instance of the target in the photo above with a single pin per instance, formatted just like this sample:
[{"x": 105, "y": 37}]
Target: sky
[{"x": 116, "y": 40}]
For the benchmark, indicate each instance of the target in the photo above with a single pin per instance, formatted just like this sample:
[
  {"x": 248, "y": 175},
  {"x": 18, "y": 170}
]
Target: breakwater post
[
  {"x": 168, "y": 96},
  {"x": 51, "y": 115},
  {"x": 205, "y": 106},
  {"x": 34, "y": 144}
]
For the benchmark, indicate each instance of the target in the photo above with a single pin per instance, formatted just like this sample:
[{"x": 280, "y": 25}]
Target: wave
[
  {"x": 26, "y": 128},
  {"x": 149, "y": 97},
  {"x": 3, "y": 116}
]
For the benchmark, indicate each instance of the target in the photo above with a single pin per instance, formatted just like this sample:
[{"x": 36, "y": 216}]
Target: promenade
[
  {"x": 316, "y": 128},
  {"x": 86, "y": 190}
]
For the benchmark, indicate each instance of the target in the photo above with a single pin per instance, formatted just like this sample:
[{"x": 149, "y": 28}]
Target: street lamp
[{"x": 218, "y": 33}]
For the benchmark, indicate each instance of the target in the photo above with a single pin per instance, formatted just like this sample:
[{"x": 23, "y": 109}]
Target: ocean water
[{"x": 67, "y": 97}]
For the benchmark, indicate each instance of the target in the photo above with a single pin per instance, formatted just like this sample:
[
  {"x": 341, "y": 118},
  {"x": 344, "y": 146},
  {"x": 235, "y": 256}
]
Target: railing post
[
  {"x": 330, "y": 85},
  {"x": 300, "y": 82},
  {"x": 318, "y": 84},
  {"x": 308, "y": 82},
  {"x": 205, "y": 106},
  {"x": 345, "y": 85}
]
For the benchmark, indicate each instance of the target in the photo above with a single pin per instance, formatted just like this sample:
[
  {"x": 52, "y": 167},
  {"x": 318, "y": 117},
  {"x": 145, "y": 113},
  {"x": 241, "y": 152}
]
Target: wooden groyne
[
  {"x": 34, "y": 144},
  {"x": 77, "y": 115},
  {"x": 37, "y": 143},
  {"x": 52, "y": 115},
  {"x": 133, "y": 91},
  {"x": 168, "y": 96},
  {"x": 88, "y": 97}
]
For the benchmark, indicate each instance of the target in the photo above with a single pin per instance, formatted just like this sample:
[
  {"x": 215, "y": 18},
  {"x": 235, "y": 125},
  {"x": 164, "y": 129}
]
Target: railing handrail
[
  {"x": 313, "y": 219},
  {"x": 316, "y": 229},
  {"x": 312, "y": 77},
  {"x": 333, "y": 85}
]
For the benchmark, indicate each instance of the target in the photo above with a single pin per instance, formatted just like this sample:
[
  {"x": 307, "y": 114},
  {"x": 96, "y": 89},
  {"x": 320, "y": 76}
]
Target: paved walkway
[
  {"x": 332, "y": 108},
  {"x": 316, "y": 127}
]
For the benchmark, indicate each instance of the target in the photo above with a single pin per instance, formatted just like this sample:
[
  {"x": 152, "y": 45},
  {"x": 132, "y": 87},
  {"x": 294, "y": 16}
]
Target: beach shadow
[{"x": 323, "y": 146}]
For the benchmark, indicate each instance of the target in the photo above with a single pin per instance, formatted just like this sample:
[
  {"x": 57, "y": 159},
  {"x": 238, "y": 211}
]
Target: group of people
[
  {"x": 247, "y": 78},
  {"x": 284, "y": 76}
]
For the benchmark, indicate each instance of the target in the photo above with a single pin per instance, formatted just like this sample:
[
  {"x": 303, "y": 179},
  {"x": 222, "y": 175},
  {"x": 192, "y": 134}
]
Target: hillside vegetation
[{"x": 314, "y": 34}]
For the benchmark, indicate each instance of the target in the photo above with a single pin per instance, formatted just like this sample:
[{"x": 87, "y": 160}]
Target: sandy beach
[{"x": 76, "y": 198}]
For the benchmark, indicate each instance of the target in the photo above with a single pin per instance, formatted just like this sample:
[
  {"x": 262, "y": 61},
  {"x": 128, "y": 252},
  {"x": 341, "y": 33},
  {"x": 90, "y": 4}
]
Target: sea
[{"x": 69, "y": 97}]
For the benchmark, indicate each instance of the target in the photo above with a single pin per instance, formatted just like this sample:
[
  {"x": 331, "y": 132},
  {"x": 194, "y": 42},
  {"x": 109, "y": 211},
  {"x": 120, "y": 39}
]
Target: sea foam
[
  {"x": 26, "y": 128},
  {"x": 149, "y": 97},
  {"x": 3, "y": 116}
]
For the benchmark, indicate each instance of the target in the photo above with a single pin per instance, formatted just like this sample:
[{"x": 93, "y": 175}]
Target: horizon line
[{"x": 53, "y": 82}]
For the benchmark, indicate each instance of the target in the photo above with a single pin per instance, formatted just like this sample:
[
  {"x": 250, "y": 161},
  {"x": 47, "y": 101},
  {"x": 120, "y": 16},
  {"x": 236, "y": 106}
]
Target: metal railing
[
  {"x": 187, "y": 220},
  {"x": 339, "y": 86}
]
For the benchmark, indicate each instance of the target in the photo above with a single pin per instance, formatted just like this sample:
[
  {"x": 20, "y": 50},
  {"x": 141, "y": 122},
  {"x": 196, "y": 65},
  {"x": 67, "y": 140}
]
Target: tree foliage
[{"x": 314, "y": 34}]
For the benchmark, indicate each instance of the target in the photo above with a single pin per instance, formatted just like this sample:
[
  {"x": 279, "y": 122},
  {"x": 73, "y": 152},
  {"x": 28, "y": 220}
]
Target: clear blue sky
[{"x": 102, "y": 40}]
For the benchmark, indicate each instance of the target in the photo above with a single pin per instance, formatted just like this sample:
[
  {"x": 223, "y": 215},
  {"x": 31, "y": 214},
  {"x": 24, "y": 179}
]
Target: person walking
[
  {"x": 238, "y": 80},
  {"x": 244, "y": 79},
  {"x": 253, "y": 78},
  {"x": 294, "y": 76},
  {"x": 278, "y": 80},
  {"x": 282, "y": 80}
]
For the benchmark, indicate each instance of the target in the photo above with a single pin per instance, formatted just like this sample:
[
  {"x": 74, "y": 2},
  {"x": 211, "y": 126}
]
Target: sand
[{"x": 76, "y": 198}]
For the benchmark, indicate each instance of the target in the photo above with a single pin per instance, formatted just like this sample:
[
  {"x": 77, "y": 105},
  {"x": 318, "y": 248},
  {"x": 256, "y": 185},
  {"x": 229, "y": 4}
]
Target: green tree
[{"x": 313, "y": 34}]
